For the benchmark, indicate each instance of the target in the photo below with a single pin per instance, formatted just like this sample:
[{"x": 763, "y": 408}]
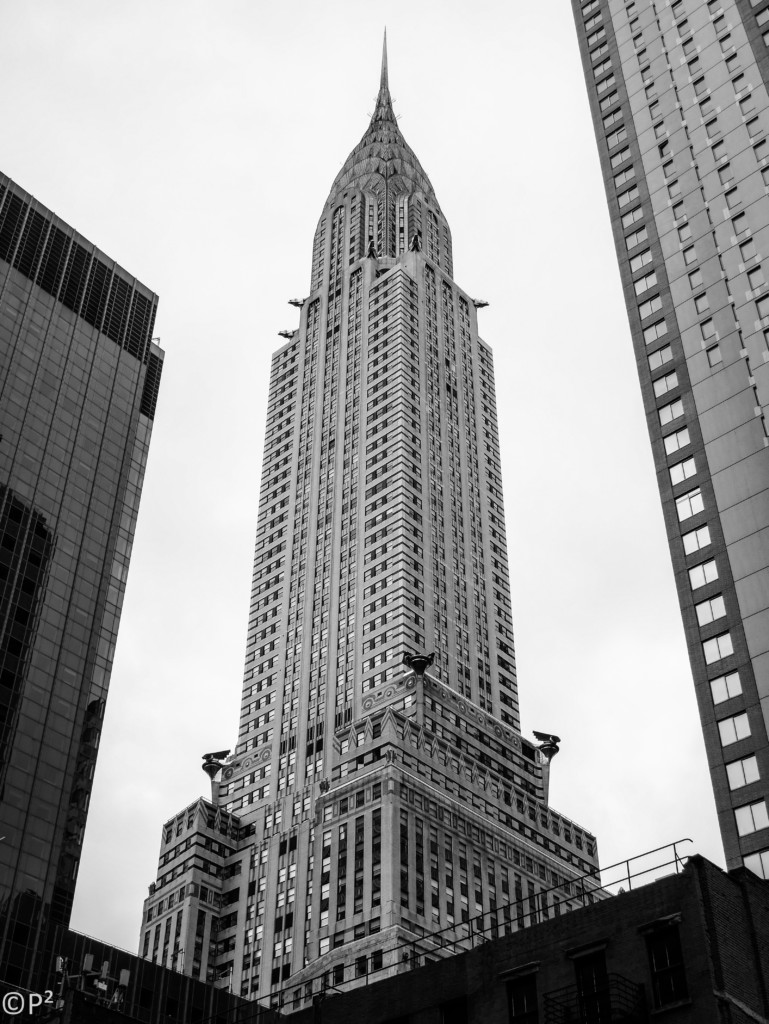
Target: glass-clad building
[{"x": 79, "y": 379}]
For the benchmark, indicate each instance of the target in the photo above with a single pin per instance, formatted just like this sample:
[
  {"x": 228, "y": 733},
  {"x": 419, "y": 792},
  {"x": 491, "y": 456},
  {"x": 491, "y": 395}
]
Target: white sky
[{"x": 195, "y": 143}]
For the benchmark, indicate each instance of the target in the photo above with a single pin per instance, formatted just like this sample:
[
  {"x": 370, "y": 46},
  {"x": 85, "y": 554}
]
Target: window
[
  {"x": 714, "y": 355},
  {"x": 667, "y": 966},
  {"x": 758, "y": 863},
  {"x": 747, "y": 104},
  {"x": 613, "y": 117},
  {"x": 674, "y": 189},
  {"x": 743, "y": 772},
  {"x": 644, "y": 283},
  {"x": 725, "y": 174},
  {"x": 671, "y": 411},
  {"x": 710, "y": 610},
  {"x": 664, "y": 384},
  {"x": 719, "y": 151},
  {"x": 733, "y": 729},
  {"x": 616, "y": 137},
  {"x": 705, "y": 572},
  {"x": 624, "y": 176},
  {"x": 660, "y": 357},
  {"x": 717, "y": 648},
  {"x": 689, "y": 504},
  {"x": 607, "y": 101},
  {"x": 740, "y": 224},
  {"x": 762, "y": 306},
  {"x": 636, "y": 238},
  {"x": 679, "y": 439},
  {"x": 699, "y": 86},
  {"x": 707, "y": 329},
  {"x": 695, "y": 280},
  {"x": 701, "y": 303},
  {"x": 678, "y": 211},
  {"x": 751, "y": 818},
  {"x": 652, "y": 305},
  {"x": 682, "y": 471},
  {"x": 522, "y": 999},
  {"x": 640, "y": 260},
  {"x": 689, "y": 256},
  {"x": 724, "y": 688},
  {"x": 762, "y": 17},
  {"x": 684, "y": 233},
  {"x": 601, "y": 68},
  {"x": 747, "y": 250},
  {"x": 606, "y": 83},
  {"x": 628, "y": 197},
  {"x": 655, "y": 331},
  {"x": 632, "y": 217},
  {"x": 695, "y": 541},
  {"x": 756, "y": 278},
  {"x": 659, "y": 129}
]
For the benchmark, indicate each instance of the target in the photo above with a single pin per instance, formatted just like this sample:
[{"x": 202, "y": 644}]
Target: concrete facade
[{"x": 678, "y": 94}]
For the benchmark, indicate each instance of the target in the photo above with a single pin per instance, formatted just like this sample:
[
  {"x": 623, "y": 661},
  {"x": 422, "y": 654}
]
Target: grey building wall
[{"x": 679, "y": 103}]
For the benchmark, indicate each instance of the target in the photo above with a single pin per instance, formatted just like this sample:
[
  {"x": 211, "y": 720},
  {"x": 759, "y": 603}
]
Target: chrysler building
[{"x": 380, "y": 791}]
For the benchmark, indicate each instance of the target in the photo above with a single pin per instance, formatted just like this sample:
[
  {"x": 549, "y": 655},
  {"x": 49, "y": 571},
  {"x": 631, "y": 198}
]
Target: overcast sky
[{"x": 195, "y": 143}]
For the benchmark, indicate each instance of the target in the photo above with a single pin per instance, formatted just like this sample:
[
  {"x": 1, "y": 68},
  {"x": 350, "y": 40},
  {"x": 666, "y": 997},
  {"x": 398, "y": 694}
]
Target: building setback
[
  {"x": 79, "y": 378},
  {"x": 678, "y": 94},
  {"x": 373, "y": 794}
]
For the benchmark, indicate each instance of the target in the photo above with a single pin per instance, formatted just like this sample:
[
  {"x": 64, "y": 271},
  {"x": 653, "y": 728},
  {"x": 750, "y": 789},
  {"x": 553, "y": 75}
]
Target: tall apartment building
[
  {"x": 79, "y": 378},
  {"x": 678, "y": 93},
  {"x": 374, "y": 796}
]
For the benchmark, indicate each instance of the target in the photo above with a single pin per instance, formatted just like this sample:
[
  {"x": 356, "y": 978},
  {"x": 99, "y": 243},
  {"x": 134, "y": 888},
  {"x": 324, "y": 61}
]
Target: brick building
[{"x": 689, "y": 948}]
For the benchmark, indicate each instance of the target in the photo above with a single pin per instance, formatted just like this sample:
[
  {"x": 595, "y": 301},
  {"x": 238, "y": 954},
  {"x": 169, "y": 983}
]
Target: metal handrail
[{"x": 476, "y": 934}]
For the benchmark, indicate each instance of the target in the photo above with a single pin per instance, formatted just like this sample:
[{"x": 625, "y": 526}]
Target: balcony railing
[
  {"x": 616, "y": 1001},
  {"x": 415, "y": 952}
]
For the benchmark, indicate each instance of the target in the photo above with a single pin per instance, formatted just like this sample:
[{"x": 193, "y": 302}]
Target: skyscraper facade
[
  {"x": 678, "y": 94},
  {"x": 79, "y": 377},
  {"x": 375, "y": 794}
]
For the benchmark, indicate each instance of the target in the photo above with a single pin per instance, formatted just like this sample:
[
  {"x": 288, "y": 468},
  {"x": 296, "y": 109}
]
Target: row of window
[{"x": 752, "y": 816}]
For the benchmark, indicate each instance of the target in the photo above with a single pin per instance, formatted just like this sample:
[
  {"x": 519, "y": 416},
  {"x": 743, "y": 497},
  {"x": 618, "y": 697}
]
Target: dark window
[
  {"x": 454, "y": 1012},
  {"x": 593, "y": 988},
  {"x": 522, "y": 997},
  {"x": 667, "y": 966}
]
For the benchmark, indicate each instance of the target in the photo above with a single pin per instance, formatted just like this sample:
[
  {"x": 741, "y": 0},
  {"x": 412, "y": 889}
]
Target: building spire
[
  {"x": 384, "y": 106},
  {"x": 383, "y": 84}
]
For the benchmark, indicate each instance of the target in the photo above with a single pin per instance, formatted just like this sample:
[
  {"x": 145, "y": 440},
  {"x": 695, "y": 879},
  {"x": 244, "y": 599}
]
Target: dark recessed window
[{"x": 667, "y": 966}]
